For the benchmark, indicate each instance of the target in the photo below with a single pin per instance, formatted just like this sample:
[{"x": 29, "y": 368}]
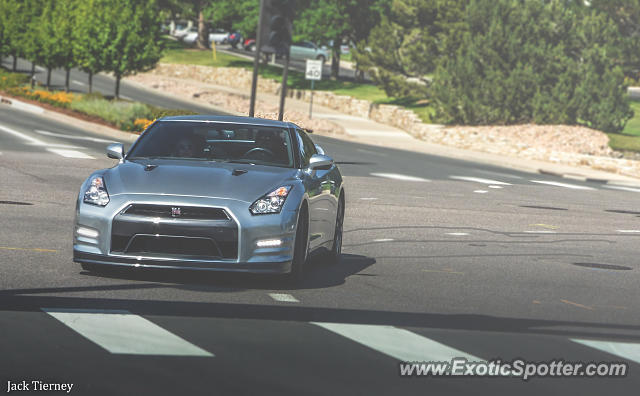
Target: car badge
[{"x": 175, "y": 212}]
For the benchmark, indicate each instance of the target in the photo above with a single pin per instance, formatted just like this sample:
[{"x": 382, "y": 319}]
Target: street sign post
[{"x": 313, "y": 72}]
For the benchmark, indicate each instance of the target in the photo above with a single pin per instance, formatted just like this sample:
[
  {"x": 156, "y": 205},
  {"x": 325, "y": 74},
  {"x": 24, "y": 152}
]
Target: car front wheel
[{"x": 300, "y": 251}]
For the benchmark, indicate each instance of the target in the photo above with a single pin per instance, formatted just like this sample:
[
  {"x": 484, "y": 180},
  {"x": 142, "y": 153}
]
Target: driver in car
[{"x": 273, "y": 144}]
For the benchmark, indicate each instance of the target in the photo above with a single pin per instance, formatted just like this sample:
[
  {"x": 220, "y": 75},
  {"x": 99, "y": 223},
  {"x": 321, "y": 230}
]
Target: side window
[{"x": 307, "y": 148}]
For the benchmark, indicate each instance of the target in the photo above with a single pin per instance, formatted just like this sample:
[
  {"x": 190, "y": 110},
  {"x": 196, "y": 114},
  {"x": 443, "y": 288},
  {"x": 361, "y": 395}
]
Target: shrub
[
  {"x": 530, "y": 61},
  {"x": 120, "y": 114}
]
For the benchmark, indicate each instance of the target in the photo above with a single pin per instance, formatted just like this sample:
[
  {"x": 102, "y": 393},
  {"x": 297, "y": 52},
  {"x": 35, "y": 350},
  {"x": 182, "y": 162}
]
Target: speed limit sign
[{"x": 314, "y": 70}]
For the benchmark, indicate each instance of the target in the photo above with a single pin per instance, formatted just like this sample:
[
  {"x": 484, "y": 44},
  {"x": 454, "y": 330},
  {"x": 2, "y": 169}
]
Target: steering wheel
[{"x": 259, "y": 150}]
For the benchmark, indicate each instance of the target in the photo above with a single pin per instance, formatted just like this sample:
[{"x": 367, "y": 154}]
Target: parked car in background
[
  {"x": 249, "y": 45},
  {"x": 181, "y": 33},
  {"x": 218, "y": 36},
  {"x": 307, "y": 50},
  {"x": 235, "y": 38}
]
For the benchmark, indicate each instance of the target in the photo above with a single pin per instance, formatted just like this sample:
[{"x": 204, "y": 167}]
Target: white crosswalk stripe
[
  {"x": 121, "y": 332},
  {"x": 398, "y": 343},
  {"x": 625, "y": 350}
]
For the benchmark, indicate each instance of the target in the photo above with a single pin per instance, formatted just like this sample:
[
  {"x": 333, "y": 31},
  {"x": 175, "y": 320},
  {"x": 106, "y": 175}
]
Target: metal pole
[
  {"x": 283, "y": 91},
  {"x": 256, "y": 61},
  {"x": 311, "y": 101}
]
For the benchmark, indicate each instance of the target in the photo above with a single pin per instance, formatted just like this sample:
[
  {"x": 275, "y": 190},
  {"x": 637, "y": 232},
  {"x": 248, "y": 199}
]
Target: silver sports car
[{"x": 212, "y": 193}]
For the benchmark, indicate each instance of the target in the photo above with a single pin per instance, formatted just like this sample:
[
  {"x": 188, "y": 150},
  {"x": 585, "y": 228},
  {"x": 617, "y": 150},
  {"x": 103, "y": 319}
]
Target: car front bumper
[{"x": 152, "y": 262}]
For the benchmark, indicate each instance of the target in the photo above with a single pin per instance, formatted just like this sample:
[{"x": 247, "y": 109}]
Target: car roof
[{"x": 229, "y": 120}]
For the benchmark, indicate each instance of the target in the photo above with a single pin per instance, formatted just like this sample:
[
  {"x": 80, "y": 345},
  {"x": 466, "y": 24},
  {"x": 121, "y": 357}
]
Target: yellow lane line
[
  {"x": 28, "y": 249},
  {"x": 577, "y": 305}
]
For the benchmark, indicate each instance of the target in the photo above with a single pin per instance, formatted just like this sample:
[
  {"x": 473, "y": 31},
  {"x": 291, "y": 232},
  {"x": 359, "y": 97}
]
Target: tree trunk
[
  {"x": 335, "y": 58},
  {"x": 90, "y": 82},
  {"x": 66, "y": 80},
  {"x": 117, "y": 93},
  {"x": 15, "y": 62},
  {"x": 48, "y": 78},
  {"x": 203, "y": 32},
  {"x": 33, "y": 74}
]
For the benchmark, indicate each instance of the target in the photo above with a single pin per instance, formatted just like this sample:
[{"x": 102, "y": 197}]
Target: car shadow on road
[{"x": 320, "y": 275}]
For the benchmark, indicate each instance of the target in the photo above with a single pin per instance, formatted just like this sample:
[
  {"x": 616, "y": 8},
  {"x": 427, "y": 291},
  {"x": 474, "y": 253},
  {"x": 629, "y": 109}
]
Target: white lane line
[
  {"x": 565, "y": 185},
  {"x": 626, "y": 350},
  {"x": 70, "y": 153},
  {"x": 78, "y": 82},
  {"x": 283, "y": 297},
  {"x": 26, "y": 138},
  {"x": 480, "y": 180},
  {"x": 480, "y": 191},
  {"x": 397, "y": 343},
  {"x": 629, "y": 231},
  {"x": 368, "y": 199},
  {"x": 73, "y": 137},
  {"x": 383, "y": 240},
  {"x": 496, "y": 187},
  {"x": 122, "y": 332},
  {"x": 397, "y": 176},
  {"x": 457, "y": 233},
  {"x": 623, "y": 188}
]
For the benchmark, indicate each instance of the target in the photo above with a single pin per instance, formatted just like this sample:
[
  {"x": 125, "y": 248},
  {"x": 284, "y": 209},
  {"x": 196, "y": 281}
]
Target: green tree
[
  {"x": 91, "y": 37},
  {"x": 64, "y": 15},
  {"x": 529, "y": 61},
  {"x": 15, "y": 18},
  {"x": 47, "y": 51},
  {"x": 133, "y": 37},
  {"x": 408, "y": 43},
  {"x": 236, "y": 15}
]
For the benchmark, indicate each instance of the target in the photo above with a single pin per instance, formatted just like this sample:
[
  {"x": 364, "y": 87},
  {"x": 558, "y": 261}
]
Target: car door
[
  {"x": 296, "y": 51},
  {"x": 319, "y": 188}
]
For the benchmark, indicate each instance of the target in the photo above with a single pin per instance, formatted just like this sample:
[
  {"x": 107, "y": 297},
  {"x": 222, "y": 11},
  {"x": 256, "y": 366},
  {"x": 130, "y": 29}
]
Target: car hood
[{"x": 197, "y": 178}]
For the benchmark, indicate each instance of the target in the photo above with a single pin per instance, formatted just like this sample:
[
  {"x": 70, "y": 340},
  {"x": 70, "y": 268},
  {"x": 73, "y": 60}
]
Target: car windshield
[{"x": 212, "y": 141}]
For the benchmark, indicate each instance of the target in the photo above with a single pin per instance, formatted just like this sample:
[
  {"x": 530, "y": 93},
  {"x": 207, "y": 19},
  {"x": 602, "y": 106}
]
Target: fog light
[
  {"x": 270, "y": 243},
  {"x": 87, "y": 232}
]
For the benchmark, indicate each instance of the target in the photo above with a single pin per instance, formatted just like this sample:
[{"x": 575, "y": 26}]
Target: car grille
[
  {"x": 182, "y": 212},
  {"x": 137, "y": 231}
]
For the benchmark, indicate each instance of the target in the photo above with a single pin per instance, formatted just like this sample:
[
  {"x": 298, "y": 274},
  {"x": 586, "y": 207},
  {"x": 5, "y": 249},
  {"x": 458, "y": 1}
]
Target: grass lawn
[{"x": 629, "y": 139}]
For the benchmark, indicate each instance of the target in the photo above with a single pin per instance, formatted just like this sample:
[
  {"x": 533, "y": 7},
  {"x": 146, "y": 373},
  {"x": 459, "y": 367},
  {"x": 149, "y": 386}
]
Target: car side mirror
[
  {"x": 320, "y": 162},
  {"x": 115, "y": 151},
  {"x": 319, "y": 149}
]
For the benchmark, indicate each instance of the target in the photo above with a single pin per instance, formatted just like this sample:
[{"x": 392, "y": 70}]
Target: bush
[
  {"x": 120, "y": 114},
  {"x": 526, "y": 61},
  {"x": 8, "y": 79}
]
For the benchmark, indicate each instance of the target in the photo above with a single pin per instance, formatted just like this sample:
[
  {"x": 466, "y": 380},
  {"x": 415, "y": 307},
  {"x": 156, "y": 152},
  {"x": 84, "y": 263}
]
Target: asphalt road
[{"x": 442, "y": 258}]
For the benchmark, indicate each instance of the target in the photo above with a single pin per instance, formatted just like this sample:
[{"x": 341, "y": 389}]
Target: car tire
[
  {"x": 300, "y": 251},
  {"x": 321, "y": 58},
  {"x": 333, "y": 256}
]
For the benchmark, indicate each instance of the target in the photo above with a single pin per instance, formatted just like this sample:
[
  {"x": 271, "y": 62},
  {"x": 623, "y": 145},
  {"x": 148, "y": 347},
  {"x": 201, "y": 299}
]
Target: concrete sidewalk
[{"x": 366, "y": 131}]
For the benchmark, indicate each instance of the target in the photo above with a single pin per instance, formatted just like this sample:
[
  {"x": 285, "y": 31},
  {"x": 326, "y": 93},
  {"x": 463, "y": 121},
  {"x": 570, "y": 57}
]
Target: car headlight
[
  {"x": 96, "y": 194},
  {"x": 272, "y": 202}
]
